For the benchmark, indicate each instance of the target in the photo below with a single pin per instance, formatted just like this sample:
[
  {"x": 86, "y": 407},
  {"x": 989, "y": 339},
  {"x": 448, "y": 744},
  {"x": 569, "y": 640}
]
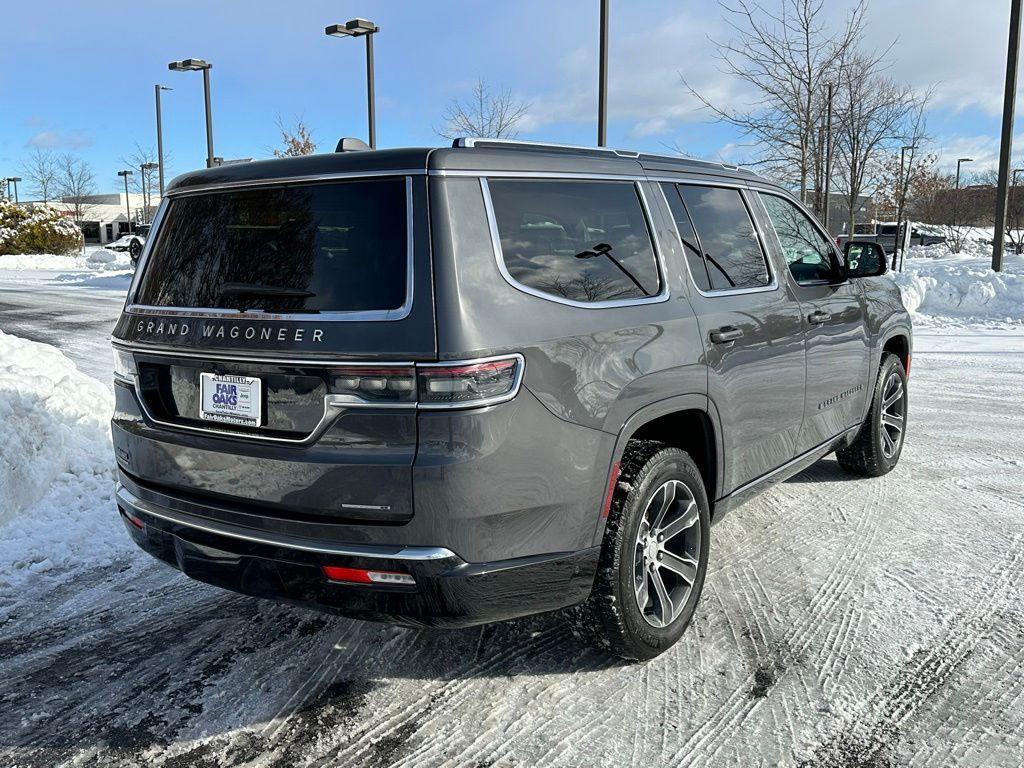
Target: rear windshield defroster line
[{"x": 313, "y": 248}]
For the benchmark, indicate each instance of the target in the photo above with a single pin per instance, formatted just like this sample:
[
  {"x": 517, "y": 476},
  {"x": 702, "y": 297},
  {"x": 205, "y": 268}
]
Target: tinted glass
[
  {"x": 304, "y": 248},
  {"x": 580, "y": 240},
  {"x": 727, "y": 237},
  {"x": 807, "y": 252},
  {"x": 688, "y": 235}
]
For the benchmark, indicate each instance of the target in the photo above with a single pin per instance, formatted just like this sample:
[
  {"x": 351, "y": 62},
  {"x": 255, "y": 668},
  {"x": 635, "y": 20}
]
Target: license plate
[{"x": 231, "y": 399}]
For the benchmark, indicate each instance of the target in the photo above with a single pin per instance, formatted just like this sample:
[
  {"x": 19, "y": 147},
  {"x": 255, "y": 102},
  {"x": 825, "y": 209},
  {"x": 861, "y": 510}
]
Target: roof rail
[{"x": 478, "y": 141}]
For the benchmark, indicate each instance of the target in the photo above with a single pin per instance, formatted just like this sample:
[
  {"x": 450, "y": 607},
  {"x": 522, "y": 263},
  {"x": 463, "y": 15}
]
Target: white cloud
[{"x": 58, "y": 139}]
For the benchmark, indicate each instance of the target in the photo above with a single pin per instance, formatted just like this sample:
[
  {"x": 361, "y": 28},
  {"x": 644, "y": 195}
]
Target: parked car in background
[
  {"x": 132, "y": 243},
  {"x": 444, "y": 387},
  {"x": 885, "y": 235}
]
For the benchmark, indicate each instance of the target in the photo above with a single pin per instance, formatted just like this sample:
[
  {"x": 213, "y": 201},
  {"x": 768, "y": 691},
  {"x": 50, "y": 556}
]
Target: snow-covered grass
[
  {"x": 961, "y": 290},
  {"x": 93, "y": 258},
  {"x": 56, "y": 463}
]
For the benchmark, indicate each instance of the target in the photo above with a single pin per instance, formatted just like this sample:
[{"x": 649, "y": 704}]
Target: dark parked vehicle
[
  {"x": 885, "y": 236},
  {"x": 442, "y": 387}
]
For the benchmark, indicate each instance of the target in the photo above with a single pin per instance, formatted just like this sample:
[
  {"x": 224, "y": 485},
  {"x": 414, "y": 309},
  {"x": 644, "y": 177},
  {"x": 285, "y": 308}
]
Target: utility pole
[
  {"x": 160, "y": 136},
  {"x": 602, "y": 79},
  {"x": 1006, "y": 145},
  {"x": 828, "y": 157}
]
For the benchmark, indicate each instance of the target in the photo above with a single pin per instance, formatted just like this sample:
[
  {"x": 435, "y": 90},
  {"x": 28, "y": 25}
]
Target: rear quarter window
[
  {"x": 303, "y": 248},
  {"x": 584, "y": 241}
]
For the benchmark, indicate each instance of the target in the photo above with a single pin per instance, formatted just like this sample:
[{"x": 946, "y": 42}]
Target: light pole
[
  {"x": 15, "y": 179},
  {"x": 127, "y": 205},
  {"x": 956, "y": 200},
  {"x": 192, "y": 65},
  {"x": 602, "y": 78},
  {"x": 828, "y": 157},
  {"x": 1006, "y": 143},
  {"x": 160, "y": 134},
  {"x": 367, "y": 29},
  {"x": 145, "y": 168},
  {"x": 901, "y": 199}
]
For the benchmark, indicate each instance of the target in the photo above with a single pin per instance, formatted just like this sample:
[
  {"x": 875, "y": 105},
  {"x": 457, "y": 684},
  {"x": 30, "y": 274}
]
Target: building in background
[{"x": 103, "y": 218}]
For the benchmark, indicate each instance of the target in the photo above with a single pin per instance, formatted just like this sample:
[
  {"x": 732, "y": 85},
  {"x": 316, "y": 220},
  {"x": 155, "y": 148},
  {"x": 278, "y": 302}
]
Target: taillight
[
  {"x": 429, "y": 385},
  {"x": 477, "y": 383},
  {"x": 385, "y": 385}
]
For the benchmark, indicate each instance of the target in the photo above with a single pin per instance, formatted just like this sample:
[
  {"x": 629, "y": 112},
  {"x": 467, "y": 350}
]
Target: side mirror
[{"x": 864, "y": 259}]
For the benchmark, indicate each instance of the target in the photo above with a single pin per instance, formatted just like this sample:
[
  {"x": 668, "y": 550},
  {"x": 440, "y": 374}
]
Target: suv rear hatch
[{"x": 277, "y": 322}]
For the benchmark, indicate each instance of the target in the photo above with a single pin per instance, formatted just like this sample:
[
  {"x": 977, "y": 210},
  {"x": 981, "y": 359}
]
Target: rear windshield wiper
[{"x": 259, "y": 289}]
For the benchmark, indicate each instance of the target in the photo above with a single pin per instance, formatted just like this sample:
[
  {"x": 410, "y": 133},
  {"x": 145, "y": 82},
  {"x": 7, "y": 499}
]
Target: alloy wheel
[
  {"x": 666, "y": 553},
  {"x": 894, "y": 410}
]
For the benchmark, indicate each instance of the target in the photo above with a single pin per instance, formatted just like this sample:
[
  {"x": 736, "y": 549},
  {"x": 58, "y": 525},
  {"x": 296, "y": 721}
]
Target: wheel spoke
[
  {"x": 666, "y": 611},
  {"x": 893, "y": 393},
  {"x": 893, "y": 420},
  {"x": 890, "y": 444},
  {"x": 642, "y": 591},
  {"x": 668, "y": 496},
  {"x": 683, "y": 566},
  {"x": 683, "y": 522}
]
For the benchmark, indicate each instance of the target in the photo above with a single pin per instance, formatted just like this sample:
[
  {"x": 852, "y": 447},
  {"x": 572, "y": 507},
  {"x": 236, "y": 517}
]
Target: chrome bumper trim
[{"x": 128, "y": 499}]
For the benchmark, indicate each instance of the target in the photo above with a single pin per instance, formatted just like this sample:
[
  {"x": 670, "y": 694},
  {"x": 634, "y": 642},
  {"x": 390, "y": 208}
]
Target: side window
[
  {"x": 807, "y": 252},
  {"x": 579, "y": 240},
  {"x": 727, "y": 236},
  {"x": 691, "y": 246}
]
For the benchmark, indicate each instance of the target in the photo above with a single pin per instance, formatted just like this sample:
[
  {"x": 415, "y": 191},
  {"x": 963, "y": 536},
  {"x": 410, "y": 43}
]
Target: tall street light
[
  {"x": 193, "y": 65},
  {"x": 15, "y": 179},
  {"x": 367, "y": 29},
  {"x": 1006, "y": 144},
  {"x": 602, "y": 78},
  {"x": 956, "y": 198},
  {"x": 160, "y": 134},
  {"x": 127, "y": 205},
  {"x": 828, "y": 156},
  {"x": 901, "y": 200},
  {"x": 145, "y": 167}
]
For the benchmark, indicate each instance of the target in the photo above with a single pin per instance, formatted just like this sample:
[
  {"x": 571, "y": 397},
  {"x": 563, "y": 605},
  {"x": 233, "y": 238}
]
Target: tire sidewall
[
  {"x": 648, "y": 640},
  {"x": 890, "y": 364}
]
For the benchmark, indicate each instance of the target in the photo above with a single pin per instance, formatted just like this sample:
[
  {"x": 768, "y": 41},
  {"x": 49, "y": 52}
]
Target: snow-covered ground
[{"x": 844, "y": 622}]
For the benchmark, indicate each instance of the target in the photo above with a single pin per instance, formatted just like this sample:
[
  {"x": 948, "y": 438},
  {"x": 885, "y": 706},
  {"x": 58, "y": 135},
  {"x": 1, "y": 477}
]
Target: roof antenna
[{"x": 349, "y": 144}]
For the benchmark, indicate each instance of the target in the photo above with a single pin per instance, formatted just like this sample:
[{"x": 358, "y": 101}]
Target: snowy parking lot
[{"x": 844, "y": 622}]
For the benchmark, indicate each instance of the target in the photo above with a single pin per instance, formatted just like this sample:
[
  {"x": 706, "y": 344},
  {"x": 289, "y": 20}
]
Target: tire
[
  {"x": 876, "y": 449},
  {"x": 612, "y": 617},
  {"x": 134, "y": 250}
]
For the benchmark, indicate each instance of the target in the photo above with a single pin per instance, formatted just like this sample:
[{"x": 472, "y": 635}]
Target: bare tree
[
  {"x": 75, "y": 184},
  {"x": 41, "y": 171},
  {"x": 786, "y": 58},
  {"x": 873, "y": 111},
  {"x": 135, "y": 160},
  {"x": 297, "y": 141},
  {"x": 486, "y": 114}
]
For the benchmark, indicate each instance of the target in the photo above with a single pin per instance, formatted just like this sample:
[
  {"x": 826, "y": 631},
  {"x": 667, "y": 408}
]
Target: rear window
[
  {"x": 329, "y": 247},
  {"x": 584, "y": 241}
]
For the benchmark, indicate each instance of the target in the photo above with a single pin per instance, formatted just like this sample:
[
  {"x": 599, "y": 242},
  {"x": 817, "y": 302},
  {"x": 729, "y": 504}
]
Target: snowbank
[
  {"x": 56, "y": 463},
  {"x": 93, "y": 259},
  {"x": 941, "y": 288}
]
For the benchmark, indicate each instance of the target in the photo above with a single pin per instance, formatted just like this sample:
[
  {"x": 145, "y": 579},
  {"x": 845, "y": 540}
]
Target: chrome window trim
[
  {"x": 133, "y": 502},
  {"x": 374, "y": 315},
  {"x": 772, "y": 286},
  {"x": 273, "y": 182},
  {"x": 492, "y": 223}
]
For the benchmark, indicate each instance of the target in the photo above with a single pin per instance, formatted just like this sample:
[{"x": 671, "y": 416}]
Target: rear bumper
[{"x": 449, "y": 592}]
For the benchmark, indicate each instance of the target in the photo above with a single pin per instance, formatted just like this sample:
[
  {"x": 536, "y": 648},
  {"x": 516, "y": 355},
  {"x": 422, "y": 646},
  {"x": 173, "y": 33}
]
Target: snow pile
[
  {"x": 93, "y": 259},
  {"x": 56, "y": 463},
  {"x": 941, "y": 288}
]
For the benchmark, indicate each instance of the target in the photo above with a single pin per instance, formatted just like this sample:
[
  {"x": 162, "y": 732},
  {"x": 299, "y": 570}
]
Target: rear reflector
[
  {"x": 361, "y": 576},
  {"x": 133, "y": 519}
]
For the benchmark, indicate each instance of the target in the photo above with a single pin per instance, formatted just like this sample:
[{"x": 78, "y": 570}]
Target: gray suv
[{"x": 442, "y": 387}]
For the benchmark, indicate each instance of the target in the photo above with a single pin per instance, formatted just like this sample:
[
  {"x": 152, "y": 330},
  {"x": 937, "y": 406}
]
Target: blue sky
[{"x": 79, "y": 77}]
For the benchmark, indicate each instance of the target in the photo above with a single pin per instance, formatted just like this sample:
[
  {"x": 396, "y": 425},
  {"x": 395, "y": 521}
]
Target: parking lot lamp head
[
  {"x": 362, "y": 28},
  {"x": 194, "y": 65}
]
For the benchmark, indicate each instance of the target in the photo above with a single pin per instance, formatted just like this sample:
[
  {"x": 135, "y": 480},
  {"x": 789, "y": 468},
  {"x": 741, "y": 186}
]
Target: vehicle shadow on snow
[
  {"x": 825, "y": 470},
  {"x": 176, "y": 661}
]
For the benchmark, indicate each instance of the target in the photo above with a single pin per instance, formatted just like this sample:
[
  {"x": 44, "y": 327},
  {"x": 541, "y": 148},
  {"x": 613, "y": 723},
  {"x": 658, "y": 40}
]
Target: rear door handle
[
  {"x": 817, "y": 317},
  {"x": 726, "y": 335}
]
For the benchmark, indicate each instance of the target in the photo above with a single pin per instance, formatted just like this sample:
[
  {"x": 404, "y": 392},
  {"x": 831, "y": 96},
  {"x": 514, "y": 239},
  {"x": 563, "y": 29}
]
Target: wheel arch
[{"x": 687, "y": 422}]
